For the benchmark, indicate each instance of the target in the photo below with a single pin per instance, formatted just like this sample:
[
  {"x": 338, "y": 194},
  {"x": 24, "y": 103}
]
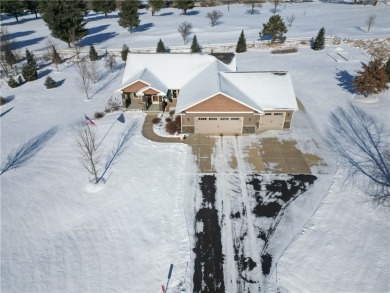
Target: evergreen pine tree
[
  {"x": 319, "y": 42},
  {"x": 387, "y": 67},
  {"x": 29, "y": 70},
  {"x": 12, "y": 82},
  {"x": 93, "y": 55},
  {"x": 241, "y": 44},
  {"x": 32, "y": 6},
  {"x": 55, "y": 56},
  {"x": 124, "y": 52},
  {"x": 11, "y": 7},
  {"x": 50, "y": 83},
  {"x": 104, "y": 6},
  {"x": 160, "y": 47},
  {"x": 65, "y": 19},
  {"x": 195, "y": 48},
  {"x": 184, "y": 5},
  {"x": 372, "y": 79},
  {"x": 128, "y": 15},
  {"x": 156, "y": 5},
  {"x": 275, "y": 28}
]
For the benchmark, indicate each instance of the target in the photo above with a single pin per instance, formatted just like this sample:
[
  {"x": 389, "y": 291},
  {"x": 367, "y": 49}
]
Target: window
[
  {"x": 212, "y": 118},
  {"x": 268, "y": 114},
  {"x": 223, "y": 118},
  {"x": 278, "y": 114},
  {"x": 235, "y": 118},
  {"x": 202, "y": 118}
]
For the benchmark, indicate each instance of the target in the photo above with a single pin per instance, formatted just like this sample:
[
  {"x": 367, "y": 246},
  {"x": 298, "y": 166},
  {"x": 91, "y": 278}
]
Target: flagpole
[
  {"x": 169, "y": 277},
  {"x": 108, "y": 131}
]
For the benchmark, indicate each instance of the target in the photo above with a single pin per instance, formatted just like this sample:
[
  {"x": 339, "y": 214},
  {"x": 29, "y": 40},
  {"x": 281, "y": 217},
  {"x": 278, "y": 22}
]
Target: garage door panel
[
  {"x": 219, "y": 125},
  {"x": 273, "y": 120}
]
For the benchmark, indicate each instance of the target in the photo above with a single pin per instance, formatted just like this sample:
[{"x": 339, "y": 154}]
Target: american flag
[{"x": 89, "y": 121}]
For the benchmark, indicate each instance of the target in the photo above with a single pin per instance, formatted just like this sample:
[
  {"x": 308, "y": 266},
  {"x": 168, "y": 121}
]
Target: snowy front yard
[{"x": 60, "y": 233}]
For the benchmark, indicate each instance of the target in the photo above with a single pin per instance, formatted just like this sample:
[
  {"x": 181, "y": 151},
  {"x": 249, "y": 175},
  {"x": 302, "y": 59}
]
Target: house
[{"x": 210, "y": 96}]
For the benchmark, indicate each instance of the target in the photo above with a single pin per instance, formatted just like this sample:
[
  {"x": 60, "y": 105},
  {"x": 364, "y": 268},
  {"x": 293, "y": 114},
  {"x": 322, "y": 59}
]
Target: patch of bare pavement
[
  {"x": 208, "y": 274},
  {"x": 252, "y": 216}
]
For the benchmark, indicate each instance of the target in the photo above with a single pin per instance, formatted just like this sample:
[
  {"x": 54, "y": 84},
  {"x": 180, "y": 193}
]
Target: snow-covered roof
[
  {"x": 268, "y": 90},
  {"x": 172, "y": 70},
  {"x": 200, "y": 77},
  {"x": 260, "y": 91}
]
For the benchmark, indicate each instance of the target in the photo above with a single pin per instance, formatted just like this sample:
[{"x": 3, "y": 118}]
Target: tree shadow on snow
[
  {"x": 22, "y": 20},
  {"x": 165, "y": 14},
  {"x": 45, "y": 72},
  {"x": 9, "y": 99},
  {"x": 345, "y": 80},
  {"x": 17, "y": 35},
  {"x": 60, "y": 82},
  {"x": 192, "y": 12},
  {"x": 26, "y": 43},
  {"x": 97, "y": 39},
  {"x": 121, "y": 145},
  {"x": 6, "y": 112},
  {"x": 255, "y": 11},
  {"x": 100, "y": 17},
  {"x": 97, "y": 29},
  {"x": 23, "y": 154},
  {"x": 144, "y": 27}
]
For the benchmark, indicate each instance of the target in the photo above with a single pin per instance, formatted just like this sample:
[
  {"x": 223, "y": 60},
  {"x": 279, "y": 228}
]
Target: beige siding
[
  {"x": 135, "y": 87},
  {"x": 150, "y": 92},
  {"x": 249, "y": 118},
  {"x": 219, "y": 103}
]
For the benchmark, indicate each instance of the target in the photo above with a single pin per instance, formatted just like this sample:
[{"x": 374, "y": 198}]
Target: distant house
[{"x": 211, "y": 97}]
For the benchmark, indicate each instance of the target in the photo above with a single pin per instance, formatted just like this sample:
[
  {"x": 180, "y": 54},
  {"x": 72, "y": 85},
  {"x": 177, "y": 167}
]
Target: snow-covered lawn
[{"x": 60, "y": 235}]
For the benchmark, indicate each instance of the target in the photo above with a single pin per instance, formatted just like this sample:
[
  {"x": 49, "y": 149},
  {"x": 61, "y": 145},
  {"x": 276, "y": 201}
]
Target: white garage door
[
  {"x": 218, "y": 125},
  {"x": 274, "y": 120}
]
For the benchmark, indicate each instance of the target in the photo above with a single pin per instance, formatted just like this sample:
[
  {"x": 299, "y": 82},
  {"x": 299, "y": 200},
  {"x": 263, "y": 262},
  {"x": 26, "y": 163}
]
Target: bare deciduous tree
[
  {"x": 85, "y": 138},
  {"x": 252, "y": 4},
  {"x": 214, "y": 16},
  {"x": 370, "y": 21},
  {"x": 275, "y": 3},
  {"x": 8, "y": 56},
  {"x": 357, "y": 138},
  {"x": 84, "y": 81},
  {"x": 94, "y": 71},
  {"x": 185, "y": 30},
  {"x": 110, "y": 62},
  {"x": 290, "y": 19},
  {"x": 74, "y": 41}
]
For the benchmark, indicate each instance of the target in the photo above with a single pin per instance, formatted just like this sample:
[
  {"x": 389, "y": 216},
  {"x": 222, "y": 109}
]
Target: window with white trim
[
  {"x": 234, "y": 118},
  {"x": 202, "y": 118},
  {"x": 213, "y": 118}
]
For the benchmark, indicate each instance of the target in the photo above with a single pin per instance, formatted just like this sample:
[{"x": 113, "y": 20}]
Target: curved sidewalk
[{"x": 147, "y": 131}]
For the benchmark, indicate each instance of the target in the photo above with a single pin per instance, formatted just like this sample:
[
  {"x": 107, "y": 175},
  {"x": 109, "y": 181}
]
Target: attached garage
[
  {"x": 218, "y": 125},
  {"x": 272, "y": 120}
]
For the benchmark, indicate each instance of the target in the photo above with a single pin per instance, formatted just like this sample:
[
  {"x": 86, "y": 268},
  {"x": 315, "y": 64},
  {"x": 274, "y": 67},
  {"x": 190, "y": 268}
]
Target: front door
[{"x": 155, "y": 99}]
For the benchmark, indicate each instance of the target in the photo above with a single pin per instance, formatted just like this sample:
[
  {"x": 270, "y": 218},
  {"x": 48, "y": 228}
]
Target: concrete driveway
[{"x": 265, "y": 155}]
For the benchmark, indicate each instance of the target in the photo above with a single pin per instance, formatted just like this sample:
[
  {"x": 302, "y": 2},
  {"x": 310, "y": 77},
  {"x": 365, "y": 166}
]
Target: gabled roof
[
  {"x": 269, "y": 90},
  {"x": 172, "y": 71},
  {"x": 200, "y": 77},
  {"x": 258, "y": 90},
  {"x": 146, "y": 76}
]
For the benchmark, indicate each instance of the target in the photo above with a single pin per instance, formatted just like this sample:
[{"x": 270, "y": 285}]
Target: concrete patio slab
[
  {"x": 297, "y": 166},
  {"x": 277, "y": 166}
]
